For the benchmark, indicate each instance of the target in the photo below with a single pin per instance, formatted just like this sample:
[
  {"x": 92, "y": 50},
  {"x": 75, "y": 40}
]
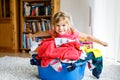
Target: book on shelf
[
  {"x": 26, "y": 9},
  {"x": 34, "y": 29},
  {"x": 28, "y": 42},
  {"x": 39, "y": 26},
  {"x": 43, "y": 25},
  {"x": 33, "y": 11},
  {"x": 47, "y": 10},
  {"x": 36, "y": 11},
  {"x": 24, "y": 41}
]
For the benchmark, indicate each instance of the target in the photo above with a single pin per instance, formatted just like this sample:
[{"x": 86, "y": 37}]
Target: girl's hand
[
  {"x": 105, "y": 44},
  {"x": 31, "y": 35}
]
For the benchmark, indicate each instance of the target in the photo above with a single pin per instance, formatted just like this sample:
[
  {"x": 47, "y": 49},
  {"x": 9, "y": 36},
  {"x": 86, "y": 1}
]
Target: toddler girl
[{"x": 65, "y": 44}]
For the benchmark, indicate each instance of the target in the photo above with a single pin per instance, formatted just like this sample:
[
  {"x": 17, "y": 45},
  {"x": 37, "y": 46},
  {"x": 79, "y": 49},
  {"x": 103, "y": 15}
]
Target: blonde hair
[{"x": 66, "y": 17}]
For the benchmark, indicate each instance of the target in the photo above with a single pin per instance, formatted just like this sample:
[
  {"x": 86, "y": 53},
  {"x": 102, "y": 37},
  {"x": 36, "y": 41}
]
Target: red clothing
[{"x": 48, "y": 50}]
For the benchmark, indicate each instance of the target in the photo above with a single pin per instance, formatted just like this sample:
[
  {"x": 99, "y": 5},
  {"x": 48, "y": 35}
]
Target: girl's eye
[
  {"x": 63, "y": 25},
  {"x": 58, "y": 25}
]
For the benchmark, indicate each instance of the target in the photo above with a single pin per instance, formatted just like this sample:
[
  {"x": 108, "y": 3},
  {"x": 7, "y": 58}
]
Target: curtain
[{"x": 106, "y": 26}]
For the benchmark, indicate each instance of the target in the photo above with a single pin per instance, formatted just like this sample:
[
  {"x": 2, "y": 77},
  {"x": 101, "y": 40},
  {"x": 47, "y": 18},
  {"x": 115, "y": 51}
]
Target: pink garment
[{"x": 69, "y": 35}]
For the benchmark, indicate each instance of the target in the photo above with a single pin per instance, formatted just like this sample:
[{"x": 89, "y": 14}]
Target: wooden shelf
[
  {"x": 37, "y": 17},
  {"x": 35, "y": 1},
  {"x": 2, "y": 20}
]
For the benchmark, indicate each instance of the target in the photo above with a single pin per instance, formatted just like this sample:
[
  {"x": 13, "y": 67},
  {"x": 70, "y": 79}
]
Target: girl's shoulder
[{"x": 75, "y": 32}]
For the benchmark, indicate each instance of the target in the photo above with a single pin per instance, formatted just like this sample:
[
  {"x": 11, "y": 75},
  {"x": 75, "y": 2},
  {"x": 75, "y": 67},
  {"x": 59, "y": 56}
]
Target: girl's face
[{"x": 61, "y": 27}]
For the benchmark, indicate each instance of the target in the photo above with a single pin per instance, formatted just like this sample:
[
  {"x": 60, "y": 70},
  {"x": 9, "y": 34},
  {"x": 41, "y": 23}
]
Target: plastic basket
[{"x": 48, "y": 73}]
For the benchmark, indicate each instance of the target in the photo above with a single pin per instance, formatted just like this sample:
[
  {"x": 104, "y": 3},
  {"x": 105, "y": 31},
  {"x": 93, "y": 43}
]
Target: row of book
[
  {"x": 36, "y": 9},
  {"x": 36, "y": 25},
  {"x": 27, "y": 41}
]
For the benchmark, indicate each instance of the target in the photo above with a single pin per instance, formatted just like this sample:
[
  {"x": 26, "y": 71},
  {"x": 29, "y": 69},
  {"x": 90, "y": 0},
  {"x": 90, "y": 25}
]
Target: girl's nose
[{"x": 60, "y": 27}]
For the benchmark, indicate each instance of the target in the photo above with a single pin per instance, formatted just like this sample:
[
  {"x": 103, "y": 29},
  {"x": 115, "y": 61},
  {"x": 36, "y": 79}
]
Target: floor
[
  {"x": 2, "y": 54},
  {"x": 111, "y": 70}
]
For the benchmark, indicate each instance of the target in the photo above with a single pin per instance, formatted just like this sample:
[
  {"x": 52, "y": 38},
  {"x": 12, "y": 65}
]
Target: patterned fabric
[{"x": 56, "y": 65}]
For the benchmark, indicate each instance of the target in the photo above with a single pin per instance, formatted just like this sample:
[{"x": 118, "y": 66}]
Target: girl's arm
[
  {"x": 92, "y": 39},
  {"x": 39, "y": 34}
]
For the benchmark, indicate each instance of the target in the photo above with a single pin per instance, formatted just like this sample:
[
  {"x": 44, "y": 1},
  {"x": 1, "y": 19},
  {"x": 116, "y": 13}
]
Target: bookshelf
[{"x": 36, "y": 16}]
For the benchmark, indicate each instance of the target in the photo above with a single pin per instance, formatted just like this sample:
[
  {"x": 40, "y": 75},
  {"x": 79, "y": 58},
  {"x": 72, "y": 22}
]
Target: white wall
[{"x": 79, "y": 10}]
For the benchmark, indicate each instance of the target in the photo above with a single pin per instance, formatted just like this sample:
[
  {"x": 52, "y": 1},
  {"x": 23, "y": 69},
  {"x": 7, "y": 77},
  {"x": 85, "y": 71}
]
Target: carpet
[
  {"x": 18, "y": 68},
  {"x": 111, "y": 71}
]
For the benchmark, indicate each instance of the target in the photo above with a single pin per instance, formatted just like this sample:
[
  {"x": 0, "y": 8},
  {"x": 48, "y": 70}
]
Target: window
[{"x": 4, "y": 8}]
